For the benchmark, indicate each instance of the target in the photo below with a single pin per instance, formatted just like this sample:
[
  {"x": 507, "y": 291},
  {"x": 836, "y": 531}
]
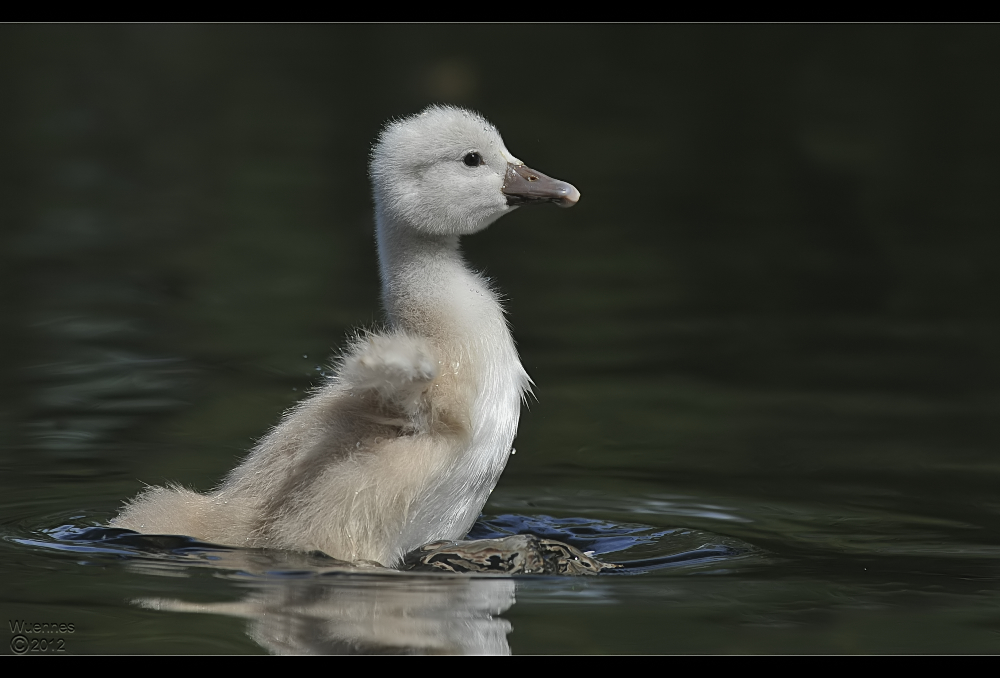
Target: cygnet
[{"x": 404, "y": 443}]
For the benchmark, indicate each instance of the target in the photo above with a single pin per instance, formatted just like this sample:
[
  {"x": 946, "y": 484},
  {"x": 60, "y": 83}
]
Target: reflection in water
[
  {"x": 794, "y": 344},
  {"x": 310, "y": 603},
  {"x": 357, "y": 614}
]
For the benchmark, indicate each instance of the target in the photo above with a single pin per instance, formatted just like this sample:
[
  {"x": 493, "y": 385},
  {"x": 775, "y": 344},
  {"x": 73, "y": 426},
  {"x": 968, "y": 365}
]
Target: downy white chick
[{"x": 406, "y": 441}]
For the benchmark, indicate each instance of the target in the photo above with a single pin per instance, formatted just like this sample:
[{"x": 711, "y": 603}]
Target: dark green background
[{"x": 772, "y": 317}]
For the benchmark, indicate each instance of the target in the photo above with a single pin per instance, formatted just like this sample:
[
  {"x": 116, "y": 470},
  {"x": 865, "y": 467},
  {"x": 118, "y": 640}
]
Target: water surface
[{"x": 767, "y": 332}]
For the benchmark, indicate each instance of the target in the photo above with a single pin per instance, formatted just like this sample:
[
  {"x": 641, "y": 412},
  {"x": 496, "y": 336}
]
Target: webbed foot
[{"x": 519, "y": 554}]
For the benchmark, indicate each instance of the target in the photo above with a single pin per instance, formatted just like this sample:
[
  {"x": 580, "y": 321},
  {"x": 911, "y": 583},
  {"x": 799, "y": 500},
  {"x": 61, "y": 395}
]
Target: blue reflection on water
[{"x": 598, "y": 537}]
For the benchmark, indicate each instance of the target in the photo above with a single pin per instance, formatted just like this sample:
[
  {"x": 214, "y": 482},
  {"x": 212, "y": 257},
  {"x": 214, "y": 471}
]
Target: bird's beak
[{"x": 525, "y": 186}]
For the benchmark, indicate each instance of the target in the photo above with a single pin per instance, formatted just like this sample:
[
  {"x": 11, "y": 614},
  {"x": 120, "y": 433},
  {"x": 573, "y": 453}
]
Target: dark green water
[{"x": 771, "y": 323}]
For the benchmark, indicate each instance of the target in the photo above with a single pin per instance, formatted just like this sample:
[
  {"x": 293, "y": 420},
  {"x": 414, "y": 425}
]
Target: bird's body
[{"x": 407, "y": 440}]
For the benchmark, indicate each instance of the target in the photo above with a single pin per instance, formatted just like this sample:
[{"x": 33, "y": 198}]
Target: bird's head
[{"x": 446, "y": 171}]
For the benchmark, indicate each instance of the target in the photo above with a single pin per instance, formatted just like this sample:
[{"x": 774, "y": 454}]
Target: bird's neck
[{"x": 428, "y": 289}]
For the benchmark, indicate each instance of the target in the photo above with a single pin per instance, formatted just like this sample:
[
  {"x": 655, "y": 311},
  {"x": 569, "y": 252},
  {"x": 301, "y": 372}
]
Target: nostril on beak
[{"x": 532, "y": 177}]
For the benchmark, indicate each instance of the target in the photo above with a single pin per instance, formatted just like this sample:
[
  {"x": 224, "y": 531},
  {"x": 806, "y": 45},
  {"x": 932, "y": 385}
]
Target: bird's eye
[{"x": 472, "y": 159}]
